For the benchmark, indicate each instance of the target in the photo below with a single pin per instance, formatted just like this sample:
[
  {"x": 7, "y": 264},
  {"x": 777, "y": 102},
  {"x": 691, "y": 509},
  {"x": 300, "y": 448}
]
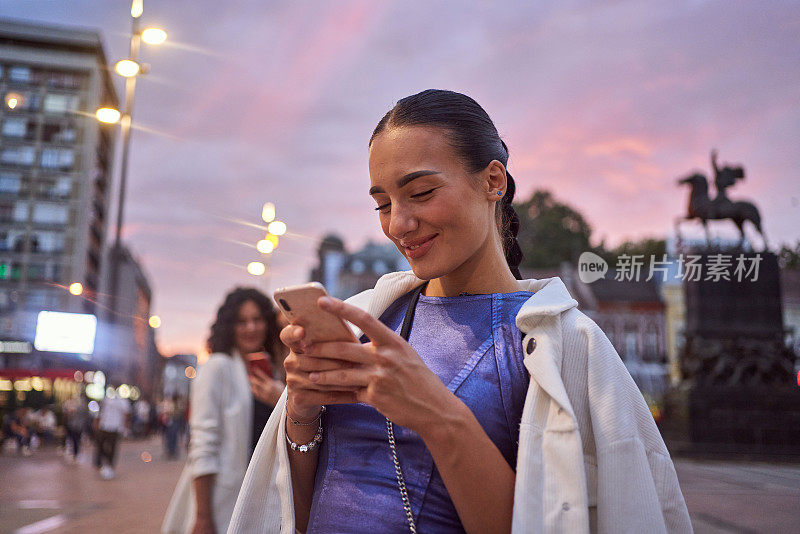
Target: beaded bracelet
[
  {"x": 307, "y": 447},
  {"x": 298, "y": 423}
]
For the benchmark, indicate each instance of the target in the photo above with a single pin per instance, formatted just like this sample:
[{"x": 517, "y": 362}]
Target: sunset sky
[{"x": 604, "y": 103}]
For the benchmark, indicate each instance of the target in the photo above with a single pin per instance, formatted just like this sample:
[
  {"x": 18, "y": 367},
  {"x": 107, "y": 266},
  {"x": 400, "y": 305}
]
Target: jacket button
[
  {"x": 565, "y": 506},
  {"x": 531, "y": 346}
]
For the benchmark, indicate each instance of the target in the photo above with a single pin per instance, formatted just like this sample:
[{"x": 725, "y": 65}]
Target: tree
[
  {"x": 788, "y": 257},
  {"x": 648, "y": 247},
  {"x": 551, "y": 232}
]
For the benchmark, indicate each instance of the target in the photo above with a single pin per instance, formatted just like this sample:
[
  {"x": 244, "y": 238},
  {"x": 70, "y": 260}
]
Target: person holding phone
[
  {"x": 233, "y": 393},
  {"x": 474, "y": 401}
]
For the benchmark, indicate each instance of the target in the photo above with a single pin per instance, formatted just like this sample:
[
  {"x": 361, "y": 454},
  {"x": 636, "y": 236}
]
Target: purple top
[{"x": 472, "y": 344}]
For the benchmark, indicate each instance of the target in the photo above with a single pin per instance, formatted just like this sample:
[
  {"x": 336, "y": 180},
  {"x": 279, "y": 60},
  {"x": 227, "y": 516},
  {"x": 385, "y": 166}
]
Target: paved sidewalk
[{"x": 42, "y": 493}]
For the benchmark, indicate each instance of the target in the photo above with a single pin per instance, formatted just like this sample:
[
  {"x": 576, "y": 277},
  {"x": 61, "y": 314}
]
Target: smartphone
[
  {"x": 259, "y": 360},
  {"x": 299, "y": 306}
]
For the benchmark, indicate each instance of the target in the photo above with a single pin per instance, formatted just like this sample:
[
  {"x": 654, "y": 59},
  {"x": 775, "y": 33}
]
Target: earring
[{"x": 499, "y": 193}]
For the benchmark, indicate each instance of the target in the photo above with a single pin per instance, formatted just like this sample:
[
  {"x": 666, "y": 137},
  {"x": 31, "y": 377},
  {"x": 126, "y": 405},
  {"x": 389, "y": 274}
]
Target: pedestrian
[
  {"x": 173, "y": 417},
  {"x": 221, "y": 415},
  {"x": 76, "y": 421},
  {"x": 46, "y": 425},
  {"x": 14, "y": 428},
  {"x": 113, "y": 421},
  {"x": 500, "y": 408},
  {"x": 141, "y": 419}
]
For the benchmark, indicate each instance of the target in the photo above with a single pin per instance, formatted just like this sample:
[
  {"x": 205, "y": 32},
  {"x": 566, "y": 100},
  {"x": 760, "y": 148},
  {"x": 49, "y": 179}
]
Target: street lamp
[
  {"x": 108, "y": 115},
  {"x": 130, "y": 68}
]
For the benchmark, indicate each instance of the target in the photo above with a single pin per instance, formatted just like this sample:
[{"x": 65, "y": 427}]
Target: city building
[
  {"x": 55, "y": 183},
  {"x": 125, "y": 344},
  {"x": 344, "y": 274},
  {"x": 631, "y": 313}
]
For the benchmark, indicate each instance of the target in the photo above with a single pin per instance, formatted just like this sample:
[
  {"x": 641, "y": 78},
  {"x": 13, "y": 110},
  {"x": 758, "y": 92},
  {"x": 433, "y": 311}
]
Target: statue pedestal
[
  {"x": 734, "y": 420},
  {"x": 739, "y": 392}
]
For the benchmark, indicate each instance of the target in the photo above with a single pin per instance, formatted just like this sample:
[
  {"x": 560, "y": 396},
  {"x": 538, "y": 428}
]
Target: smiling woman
[{"x": 475, "y": 401}]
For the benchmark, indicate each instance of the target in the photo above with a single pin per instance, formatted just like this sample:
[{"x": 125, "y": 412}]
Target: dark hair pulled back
[
  {"x": 474, "y": 138},
  {"x": 222, "y": 338}
]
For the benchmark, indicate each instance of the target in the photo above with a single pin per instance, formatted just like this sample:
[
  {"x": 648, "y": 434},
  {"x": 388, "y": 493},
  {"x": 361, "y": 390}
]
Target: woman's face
[
  {"x": 250, "y": 329},
  {"x": 436, "y": 213}
]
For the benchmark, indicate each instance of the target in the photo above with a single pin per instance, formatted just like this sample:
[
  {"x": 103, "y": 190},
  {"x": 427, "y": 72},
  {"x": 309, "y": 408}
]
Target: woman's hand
[
  {"x": 304, "y": 399},
  {"x": 387, "y": 373},
  {"x": 265, "y": 388}
]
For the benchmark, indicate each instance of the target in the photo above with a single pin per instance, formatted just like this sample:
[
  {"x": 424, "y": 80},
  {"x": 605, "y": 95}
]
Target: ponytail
[{"x": 509, "y": 228}]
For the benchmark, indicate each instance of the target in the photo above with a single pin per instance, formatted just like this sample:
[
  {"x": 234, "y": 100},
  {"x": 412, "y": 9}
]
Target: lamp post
[{"x": 130, "y": 68}]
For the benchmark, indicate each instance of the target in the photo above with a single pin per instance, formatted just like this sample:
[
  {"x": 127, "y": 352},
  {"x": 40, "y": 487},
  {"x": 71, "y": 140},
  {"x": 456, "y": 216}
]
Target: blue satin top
[{"x": 472, "y": 344}]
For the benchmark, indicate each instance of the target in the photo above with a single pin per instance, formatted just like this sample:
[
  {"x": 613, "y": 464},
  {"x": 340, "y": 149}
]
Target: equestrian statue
[{"x": 720, "y": 207}]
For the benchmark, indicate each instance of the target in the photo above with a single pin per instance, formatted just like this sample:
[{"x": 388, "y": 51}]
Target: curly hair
[{"x": 222, "y": 331}]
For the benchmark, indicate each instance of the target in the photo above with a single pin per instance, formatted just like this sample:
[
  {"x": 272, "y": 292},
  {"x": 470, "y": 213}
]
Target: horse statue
[{"x": 720, "y": 207}]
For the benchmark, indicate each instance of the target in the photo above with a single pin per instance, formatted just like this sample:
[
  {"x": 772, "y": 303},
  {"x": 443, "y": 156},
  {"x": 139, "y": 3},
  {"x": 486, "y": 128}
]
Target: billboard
[{"x": 65, "y": 332}]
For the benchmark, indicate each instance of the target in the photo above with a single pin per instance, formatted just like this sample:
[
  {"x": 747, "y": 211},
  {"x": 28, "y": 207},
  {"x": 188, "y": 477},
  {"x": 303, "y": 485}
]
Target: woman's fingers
[
  {"x": 355, "y": 353},
  {"x": 375, "y": 330},
  {"x": 292, "y": 336},
  {"x": 310, "y": 362},
  {"x": 340, "y": 378}
]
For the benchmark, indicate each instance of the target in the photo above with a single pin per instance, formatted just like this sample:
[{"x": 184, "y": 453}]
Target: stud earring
[{"x": 499, "y": 193}]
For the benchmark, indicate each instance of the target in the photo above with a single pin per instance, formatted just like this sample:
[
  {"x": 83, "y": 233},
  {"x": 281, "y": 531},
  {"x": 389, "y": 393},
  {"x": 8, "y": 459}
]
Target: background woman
[
  {"x": 223, "y": 416},
  {"x": 507, "y": 408}
]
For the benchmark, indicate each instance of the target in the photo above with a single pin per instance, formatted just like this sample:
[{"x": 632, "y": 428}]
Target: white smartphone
[{"x": 299, "y": 305}]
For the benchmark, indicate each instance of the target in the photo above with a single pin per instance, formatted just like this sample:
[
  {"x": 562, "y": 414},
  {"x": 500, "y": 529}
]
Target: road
[{"x": 43, "y": 493}]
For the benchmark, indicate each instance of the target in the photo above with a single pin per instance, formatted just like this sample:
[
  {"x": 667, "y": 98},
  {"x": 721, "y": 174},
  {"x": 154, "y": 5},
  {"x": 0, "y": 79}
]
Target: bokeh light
[{"x": 256, "y": 268}]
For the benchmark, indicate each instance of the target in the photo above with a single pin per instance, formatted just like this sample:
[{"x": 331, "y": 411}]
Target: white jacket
[
  {"x": 590, "y": 455},
  {"x": 221, "y": 420}
]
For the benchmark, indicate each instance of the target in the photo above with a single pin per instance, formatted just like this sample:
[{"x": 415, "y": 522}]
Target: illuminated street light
[
  {"x": 127, "y": 68},
  {"x": 265, "y": 247},
  {"x": 76, "y": 288},
  {"x": 268, "y": 212},
  {"x": 277, "y": 228},
  {"x": 14, "y": 100},
  {"x": 154, "y": 36},
  {"x": 272, "y": 238},
  {"x": 154, "y": 321},
  {"x": 256, "y": 268},
  {"x": 108, "y": 115},
  {"x": 137, "y": 8}
]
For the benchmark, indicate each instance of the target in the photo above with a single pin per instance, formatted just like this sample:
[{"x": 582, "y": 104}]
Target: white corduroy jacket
[
  {"x": 590, "y": 458},
  {"x": 221, "y": 419}
]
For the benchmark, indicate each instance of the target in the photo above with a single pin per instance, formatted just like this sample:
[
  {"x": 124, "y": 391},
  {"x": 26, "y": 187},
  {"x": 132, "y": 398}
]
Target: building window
[
  {"x": 357, "y": 266},
  {"x": 19, "y": 74},
  {"x": 33, "y": 101},
  {"x": 6, "y": 211},
  {"x": 21, "y": 211},
  {"x": 47, "y": 242},
  {"x": 18, "y": 155},
  {"x": 64, "y": 80},
  {"x": 651, "y": 348},
  {"x": 630, "y": 346},
  {"x": 58, "y": 132},
  {"x": 50, "y": 213},
  {"x": 58, "y": 158},
  {"x": 54, "y": 103},
  {"x": 10, "y": 183},
  {"x": 15, "y": 126},
  {"x": 380, "y": 267},
  {"x": 56, "y": 189}
]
